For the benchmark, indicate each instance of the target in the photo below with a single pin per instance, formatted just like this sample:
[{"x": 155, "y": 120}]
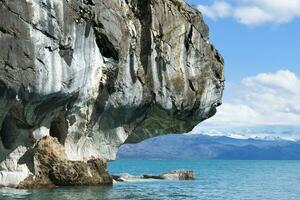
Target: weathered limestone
[
  {"x": 51, "y": 168},
  {"x": 95, "y": 74}
]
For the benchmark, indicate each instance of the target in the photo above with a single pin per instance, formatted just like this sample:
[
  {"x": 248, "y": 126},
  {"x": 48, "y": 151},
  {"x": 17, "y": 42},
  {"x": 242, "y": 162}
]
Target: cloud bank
[
  {"x": 265, "y": 99},
  {"x": 253, "y": 12},
  {"x": 267, "y": 106}
]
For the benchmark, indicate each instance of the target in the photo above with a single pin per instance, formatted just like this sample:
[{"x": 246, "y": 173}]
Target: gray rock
[
  {"x": 173, "y": 175},
  {"x": 96, "y": 74},
  {"x": 179, "y": 175}
]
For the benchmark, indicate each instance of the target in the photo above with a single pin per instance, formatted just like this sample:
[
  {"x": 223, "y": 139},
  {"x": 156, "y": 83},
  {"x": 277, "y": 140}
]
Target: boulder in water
[
  {"x": 173, "y": 175},
  {"x": 179, "y": 175}
]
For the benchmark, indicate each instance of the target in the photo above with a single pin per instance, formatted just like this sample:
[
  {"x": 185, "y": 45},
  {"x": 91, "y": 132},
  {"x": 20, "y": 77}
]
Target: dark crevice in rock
[
  {"x": 26, "y": 55},
  {"x": 40, "y": 60},
  {"x": 160, "y": 66},
  {"x": 8, "y": 32},
  {"x": 53, "y": 102},
  {"x": 13, "y": 124},
  {"x": 142, "y": 10},
  {"x": 188, "y": 39},
  {"x": 51, "y": 49},
  {"x": 6, "y": 91},
  {"x": 192, "y": 85},
  {"x": 59, "y": 128},
  {"x": 106, "y": 48},
  {"x": 87, "y": 29},
  {"x": 7, "y": 132},
  {"x": 217, "y": 54},
  {"x": 66, "y": 52},
  {"x": 89, "y": 2},
  {"x": 7, "y": 64},
  {"x": 218, "y": 74},
  {"x": 59, "y": 125}
]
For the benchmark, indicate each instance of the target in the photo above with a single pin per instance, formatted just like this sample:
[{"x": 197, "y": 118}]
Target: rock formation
[
  {"x": 95, "y": 74},
  {"x": 173, "y": 175},
  {"x": 52, "y": 167}
]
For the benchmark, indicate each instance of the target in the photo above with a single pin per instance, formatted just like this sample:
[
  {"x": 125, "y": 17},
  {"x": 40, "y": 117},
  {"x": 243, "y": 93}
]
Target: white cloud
[
  {"x": 265, "y": 99},
  {"x": 251, "y": 16},
  {"x": 254, "y": 12},
  {"x": 218, "y": 9},
  {"x": 266, "y": 105},
  {"x": 283, "y": 79}
]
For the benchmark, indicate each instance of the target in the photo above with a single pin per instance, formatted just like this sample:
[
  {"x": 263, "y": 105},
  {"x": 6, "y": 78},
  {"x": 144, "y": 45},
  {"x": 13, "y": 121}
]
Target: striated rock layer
[{"x": 95, "y": 74}]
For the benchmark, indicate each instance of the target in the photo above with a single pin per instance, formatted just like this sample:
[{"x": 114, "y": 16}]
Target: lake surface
[{"x": 228, "y": 180}]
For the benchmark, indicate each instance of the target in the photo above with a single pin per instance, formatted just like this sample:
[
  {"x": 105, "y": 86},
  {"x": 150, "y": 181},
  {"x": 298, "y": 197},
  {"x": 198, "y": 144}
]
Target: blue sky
[
  {"x": 260, "y": 42},
  {"x": 250, "y": 50}
]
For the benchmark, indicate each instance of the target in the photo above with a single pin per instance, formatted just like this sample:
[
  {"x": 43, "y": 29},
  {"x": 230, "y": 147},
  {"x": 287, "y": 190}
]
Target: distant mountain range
[
  {"x": 268, "y": 132},
  {"x": 198, "y": 146}
]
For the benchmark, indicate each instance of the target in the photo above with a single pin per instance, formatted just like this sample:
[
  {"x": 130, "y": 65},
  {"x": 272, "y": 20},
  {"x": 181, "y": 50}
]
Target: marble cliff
[{"x": 78, "y": 78}]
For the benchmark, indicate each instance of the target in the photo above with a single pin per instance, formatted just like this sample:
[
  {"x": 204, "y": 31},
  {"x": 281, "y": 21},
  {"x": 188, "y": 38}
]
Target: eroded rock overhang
[{"x": 95, "y": 74}]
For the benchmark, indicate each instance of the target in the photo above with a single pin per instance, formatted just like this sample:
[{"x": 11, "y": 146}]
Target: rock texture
[
  {"x": 52, "y": 167},
  {"x": 95, "y": 74}
]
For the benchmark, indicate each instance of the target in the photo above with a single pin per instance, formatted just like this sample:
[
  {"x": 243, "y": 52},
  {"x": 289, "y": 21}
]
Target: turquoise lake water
[{"x": 228, "y": 180}]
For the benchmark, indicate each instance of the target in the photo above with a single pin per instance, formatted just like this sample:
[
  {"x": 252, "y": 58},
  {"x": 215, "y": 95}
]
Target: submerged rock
[
  {"x": 173, "y": 175},
  {"x": 95, "y": 75},
  {"x": 125, "y": 177},
  {"x": 179, "y": 175}
]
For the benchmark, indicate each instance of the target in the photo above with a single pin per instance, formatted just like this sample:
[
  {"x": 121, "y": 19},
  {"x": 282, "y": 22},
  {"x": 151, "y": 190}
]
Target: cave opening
[
  {"x": 59, "y": 129},
  {"x": 105, "y": 46},
  {"x": 7, "y": 132}
]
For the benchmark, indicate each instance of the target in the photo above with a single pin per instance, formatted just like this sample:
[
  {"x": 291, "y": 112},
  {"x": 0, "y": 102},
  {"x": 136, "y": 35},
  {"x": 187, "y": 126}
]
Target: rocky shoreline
[{"x": 52, "y": 169}]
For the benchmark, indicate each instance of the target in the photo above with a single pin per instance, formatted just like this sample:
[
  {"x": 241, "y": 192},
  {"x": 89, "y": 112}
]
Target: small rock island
[{"x": 173, "y": 175}]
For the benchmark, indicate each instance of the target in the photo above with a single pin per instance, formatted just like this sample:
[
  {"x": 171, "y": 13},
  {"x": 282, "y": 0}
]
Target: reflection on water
[{"x": 63, "y": 193}]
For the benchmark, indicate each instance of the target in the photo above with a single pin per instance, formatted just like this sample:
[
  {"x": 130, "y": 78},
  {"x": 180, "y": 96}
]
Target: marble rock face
[{"x": 95, "y": 74}]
